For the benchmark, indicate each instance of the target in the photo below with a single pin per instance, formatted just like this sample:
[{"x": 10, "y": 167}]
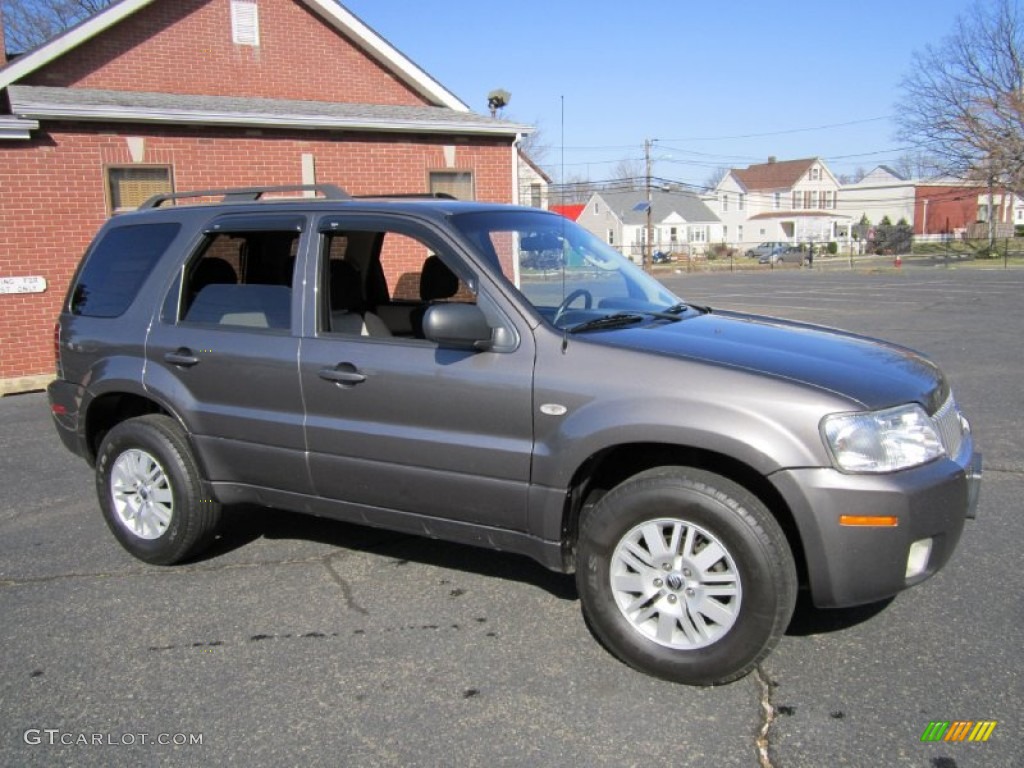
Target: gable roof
[
  {"x": 343, "y": 20},
  {"x": 773, "y": 175},
  {"x": 663, "y": 204},
  {"x": 533, "y": 166},
  {"x": 881, "y": 175}
]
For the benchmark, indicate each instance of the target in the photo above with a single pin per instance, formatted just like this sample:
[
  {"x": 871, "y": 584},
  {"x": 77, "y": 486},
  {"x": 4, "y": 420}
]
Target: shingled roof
[
  {"x": 628, "y": 206},
  {"x": 44, "y": 103},
  {"x": 773, "y": 175}
]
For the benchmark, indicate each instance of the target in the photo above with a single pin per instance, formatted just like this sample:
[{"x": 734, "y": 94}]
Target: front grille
[{"x": 951, "y": 428}]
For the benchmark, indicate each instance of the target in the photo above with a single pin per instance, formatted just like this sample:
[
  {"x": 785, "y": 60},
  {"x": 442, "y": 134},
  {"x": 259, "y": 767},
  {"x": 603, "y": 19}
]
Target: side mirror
[{"x": 459, "y": 326}]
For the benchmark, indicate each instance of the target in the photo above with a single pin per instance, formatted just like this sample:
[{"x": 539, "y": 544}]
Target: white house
[
  {"x": 880, "y": 194},
  {"x": 680, "y": 221},
  {"x": 792, "y": 201},
  {"x": 534, "y": 183}
]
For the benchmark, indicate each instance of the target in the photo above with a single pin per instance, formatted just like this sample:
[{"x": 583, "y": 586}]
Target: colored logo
[{"x": 958, "y": 730}]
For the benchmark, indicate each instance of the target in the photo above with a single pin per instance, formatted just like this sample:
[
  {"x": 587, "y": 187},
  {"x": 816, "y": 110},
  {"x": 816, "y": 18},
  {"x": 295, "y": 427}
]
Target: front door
[{"x": 395, "y": 423}]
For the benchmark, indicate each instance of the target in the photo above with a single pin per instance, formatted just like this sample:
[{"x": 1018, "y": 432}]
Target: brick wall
[
  {"x": 52, "y": 188},
  {"x": 185, "y": 46},
  {"x": 52, "y": 197},
  {"x": 949, "y": 208}
]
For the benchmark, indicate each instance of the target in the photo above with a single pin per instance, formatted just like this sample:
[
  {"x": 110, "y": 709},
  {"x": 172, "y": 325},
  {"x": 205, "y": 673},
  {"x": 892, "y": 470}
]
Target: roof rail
[
  {"x": 408, "y": 196},
  {"x": 247, "y": 194}
]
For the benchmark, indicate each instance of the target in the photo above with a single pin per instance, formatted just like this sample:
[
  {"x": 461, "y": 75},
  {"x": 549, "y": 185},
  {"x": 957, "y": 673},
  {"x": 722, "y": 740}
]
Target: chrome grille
[{"x": 951, "y": 428}]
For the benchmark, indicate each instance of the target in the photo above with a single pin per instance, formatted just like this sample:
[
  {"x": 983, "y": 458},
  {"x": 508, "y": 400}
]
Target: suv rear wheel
[
  {"x": 685, "y": 575},
  {"x": 151, "y": 492}
]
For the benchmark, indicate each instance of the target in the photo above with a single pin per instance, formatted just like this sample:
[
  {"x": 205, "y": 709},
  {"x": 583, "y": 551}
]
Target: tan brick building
[{"x": 159, "y": 95}]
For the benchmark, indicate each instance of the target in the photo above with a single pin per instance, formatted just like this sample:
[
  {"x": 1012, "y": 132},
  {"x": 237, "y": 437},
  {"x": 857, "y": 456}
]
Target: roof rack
[
  {"x": 408, "y": 196},
  {"x": 247, "y": 194}
]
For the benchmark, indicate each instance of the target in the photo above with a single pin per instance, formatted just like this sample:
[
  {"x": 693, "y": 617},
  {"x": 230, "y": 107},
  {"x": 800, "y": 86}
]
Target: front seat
[
  {"x": 349, "y": 313},
  {"x": 437, "y": 283}
]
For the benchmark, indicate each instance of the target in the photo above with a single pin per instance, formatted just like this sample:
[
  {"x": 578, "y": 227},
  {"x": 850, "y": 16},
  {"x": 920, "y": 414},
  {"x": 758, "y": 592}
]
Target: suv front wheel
[
  {"x": 685, "y": 575},
  {"x": 151, "y": 492}
]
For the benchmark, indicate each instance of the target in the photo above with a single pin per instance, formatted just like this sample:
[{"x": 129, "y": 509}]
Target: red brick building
[
  {"x": 953, "y": 207},
  {"x": 161, "y": 95}
]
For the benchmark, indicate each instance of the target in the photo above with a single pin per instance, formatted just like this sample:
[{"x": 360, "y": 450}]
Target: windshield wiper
[
  {"x": 682, "y": 306},
  {"x": 617, "y": 320},
  {"x": 622, "y": 319}
]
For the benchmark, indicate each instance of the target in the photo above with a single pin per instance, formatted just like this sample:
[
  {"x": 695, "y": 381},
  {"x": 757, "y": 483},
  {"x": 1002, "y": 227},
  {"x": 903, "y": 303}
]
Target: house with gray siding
[{"x": 680, "y": 221}]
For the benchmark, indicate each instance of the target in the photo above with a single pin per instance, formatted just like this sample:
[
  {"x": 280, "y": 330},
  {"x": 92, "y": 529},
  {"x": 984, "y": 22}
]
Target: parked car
[
  {"x": 385, "y": 362},
  {"x": 766, "y": 250}
]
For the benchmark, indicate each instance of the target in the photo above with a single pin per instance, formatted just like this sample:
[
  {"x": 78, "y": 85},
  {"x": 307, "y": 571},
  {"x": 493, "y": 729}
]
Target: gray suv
[{"x": 403, "y": 363}]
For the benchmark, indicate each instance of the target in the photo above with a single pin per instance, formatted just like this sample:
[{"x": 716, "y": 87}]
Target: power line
[
  {"x": 787, "y": 131},
  {"x": 781, "y": 132}
]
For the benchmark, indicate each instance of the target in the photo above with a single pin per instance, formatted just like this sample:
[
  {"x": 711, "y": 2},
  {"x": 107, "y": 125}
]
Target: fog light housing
[{"x": 917, "y": 559}]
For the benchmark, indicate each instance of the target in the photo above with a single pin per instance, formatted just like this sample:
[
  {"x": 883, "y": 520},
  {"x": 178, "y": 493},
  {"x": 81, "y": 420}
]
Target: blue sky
[{"x": 717, "y": 84}]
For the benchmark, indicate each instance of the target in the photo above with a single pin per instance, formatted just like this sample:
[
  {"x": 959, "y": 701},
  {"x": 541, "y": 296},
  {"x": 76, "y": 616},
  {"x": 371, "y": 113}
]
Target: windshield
[{"x": 566, "y": 273}]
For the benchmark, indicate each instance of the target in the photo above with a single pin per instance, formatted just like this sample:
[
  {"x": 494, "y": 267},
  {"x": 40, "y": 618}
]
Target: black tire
[
  {"x": 707, "y": 513},
  {"x": 151, "y": 491}
]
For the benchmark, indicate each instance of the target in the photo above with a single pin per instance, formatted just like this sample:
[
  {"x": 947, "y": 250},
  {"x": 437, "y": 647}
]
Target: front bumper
[{"x": 855, "y": 565}]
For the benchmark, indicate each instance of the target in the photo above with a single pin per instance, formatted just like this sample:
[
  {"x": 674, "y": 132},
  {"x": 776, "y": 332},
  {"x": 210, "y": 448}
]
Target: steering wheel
[{"x": 588, "y": 300}]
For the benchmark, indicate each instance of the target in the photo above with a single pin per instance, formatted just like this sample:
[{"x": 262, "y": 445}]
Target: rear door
[
  {"x": 393, "y": 421},
  {"x": 225, "y": 349}
]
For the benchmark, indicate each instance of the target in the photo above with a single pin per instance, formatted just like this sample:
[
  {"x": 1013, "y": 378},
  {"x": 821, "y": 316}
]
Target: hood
[{"x": 874, "y": 373}]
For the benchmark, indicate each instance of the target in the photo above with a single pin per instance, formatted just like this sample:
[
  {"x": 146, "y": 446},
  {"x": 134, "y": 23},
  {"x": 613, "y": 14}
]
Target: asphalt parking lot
[{"x": 299, "y": 641}]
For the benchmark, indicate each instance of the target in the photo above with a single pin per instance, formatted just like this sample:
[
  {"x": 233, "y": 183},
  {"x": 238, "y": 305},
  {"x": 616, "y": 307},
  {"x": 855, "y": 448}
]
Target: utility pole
[
  {"x": 648, "y": 251},
  {"x": 991, "y": 212}
]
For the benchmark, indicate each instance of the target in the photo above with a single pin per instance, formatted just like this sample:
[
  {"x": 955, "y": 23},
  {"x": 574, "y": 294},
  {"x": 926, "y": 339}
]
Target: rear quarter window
[{"x": 117, "y": 266}]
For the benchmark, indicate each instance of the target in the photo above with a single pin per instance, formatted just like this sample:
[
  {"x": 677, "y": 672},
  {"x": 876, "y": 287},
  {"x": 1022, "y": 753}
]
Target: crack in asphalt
[
  {"x": 346, "y": 589},
  {"x": 1009, "y": 470},
  {"x": 214, "y": 568},
  {"x": 768, "y": 717},
  {"x": 162, "y": 572}
]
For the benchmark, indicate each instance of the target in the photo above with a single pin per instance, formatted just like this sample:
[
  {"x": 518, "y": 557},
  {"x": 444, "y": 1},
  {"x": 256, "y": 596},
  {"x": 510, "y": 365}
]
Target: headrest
[
  {"x": 213, "y": 270},
  {"x": 437, "y": 281},
  {"x": 346, "y": 292}
]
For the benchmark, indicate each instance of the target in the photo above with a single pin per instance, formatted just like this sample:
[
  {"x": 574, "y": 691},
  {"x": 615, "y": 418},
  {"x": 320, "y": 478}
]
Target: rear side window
[
  {"x": 117, "y": 267},
  {"x": 242, "y": 278}
]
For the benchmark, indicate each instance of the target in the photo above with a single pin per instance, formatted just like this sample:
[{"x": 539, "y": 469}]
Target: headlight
[{"x": 882, "y": 441}]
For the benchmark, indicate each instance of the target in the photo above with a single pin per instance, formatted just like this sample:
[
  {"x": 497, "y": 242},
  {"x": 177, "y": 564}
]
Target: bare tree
[
  {"x": 715, "y": 177},
  {"x": 629, "y": 172},
  {"x": 963, "y": 103},
  {"x": 30, "y": 23},
  {"x": 535, "y": 146},
  {"x": 916, "y": 165},
  {"x": 854, "y": 178},
  {"x": 574, "y": 189}
]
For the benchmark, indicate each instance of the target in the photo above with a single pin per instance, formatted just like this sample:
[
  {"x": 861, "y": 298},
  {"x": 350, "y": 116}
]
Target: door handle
[
  {"x": 345, "y": 374},
  {"x": 182, "y": 356}
]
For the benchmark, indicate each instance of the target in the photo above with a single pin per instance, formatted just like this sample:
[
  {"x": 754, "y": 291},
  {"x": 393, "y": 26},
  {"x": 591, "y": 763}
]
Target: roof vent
[
  {"x": 245, "y": 23},
  {"x": 771, "y": 158}
]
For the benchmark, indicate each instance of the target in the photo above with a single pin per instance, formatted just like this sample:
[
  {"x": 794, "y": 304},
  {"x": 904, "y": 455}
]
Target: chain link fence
[{"x": 895, "y": 250}]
